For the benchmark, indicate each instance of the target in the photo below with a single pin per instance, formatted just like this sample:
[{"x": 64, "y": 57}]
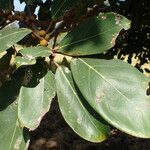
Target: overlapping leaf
[
  {"x": 15, "y": 114},
  {"x": 30, "y": 54},
  {"x": 117, "y": 92},
  {"x": 34, "y": 102},
  {"x": 11, "y": 136},
  {"x": 9, "y": 37},
  {"x": 95, "y": 35},
  {"x": 74, "y": 111}
]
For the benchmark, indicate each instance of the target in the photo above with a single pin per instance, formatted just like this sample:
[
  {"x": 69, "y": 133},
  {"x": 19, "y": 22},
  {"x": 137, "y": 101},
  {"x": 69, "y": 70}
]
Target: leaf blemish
[
  {"x": 67, "y": 70},
  {"x": 117, "y": 20},
  {"x": 104, "y": 17},
  {"x": 17, "y": 144},
  {"x": 113, "y": 41},
  {"x": 30, "y": 57},
  {"x": 79, "y": 120},
  {"x": 137, "y": 108},
  {"x": 99, "y": 96}
]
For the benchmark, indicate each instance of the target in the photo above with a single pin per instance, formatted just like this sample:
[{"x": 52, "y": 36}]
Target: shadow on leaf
[
  {"x": 88, "y": 107},
  {"x": 28, "y": 76}
]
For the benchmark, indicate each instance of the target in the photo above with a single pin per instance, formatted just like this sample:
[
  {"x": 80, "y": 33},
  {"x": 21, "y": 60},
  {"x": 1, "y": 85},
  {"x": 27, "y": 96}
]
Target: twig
[{"x": 50, "y": 26}]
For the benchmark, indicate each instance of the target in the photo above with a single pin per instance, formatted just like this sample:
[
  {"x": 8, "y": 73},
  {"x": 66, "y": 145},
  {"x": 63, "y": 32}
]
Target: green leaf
[
  {"x": 30, "y": 54},
  {"x": 60, "y": 6},
  {"x": 34, "y": 102},
  {"x": 33, "y": 52},
  {"x": 19, "y": 61},
  {"x": 11, "y": 136},
  {"x": 74, "y": 112},
  {"x": 117, "y": 91},
  {"x": 95, "y": 35},
  {"x": 10, "y": 37}
]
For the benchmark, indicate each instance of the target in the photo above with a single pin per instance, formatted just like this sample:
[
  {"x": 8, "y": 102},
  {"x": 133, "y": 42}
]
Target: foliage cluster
[{"x": 57, "y": 53}]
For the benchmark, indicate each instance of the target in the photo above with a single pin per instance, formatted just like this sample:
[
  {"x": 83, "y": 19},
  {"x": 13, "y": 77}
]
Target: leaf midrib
[
  {"x": 104, "y": 79},
  {"x": 5, "y": 36},
  {"x": 90, "y": 37},
  {"x": 80, "y": 102}
]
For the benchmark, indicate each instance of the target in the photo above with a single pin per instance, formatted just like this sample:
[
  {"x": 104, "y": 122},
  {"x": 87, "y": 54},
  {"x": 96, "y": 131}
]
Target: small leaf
[
  {"x": 74, "y": 112},
  {"x": 19, "y": 61},
  {"x": 95, "y": 35},
  {"x": 117, "y": 91},
  {"x": 34, "y": 102},
  {"x": 9, "y": 37},
  {"x": 33, "y": 52},
  {"x": 12, "y": 134},
  {"x": 30, "y": 54}
]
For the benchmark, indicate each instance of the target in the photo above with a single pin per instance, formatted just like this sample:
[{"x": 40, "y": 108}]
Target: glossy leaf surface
[
  {"x": 30, "y": 54},
  {"x": 33, "y": 52},
  {"x": 73, "y": 109},
  {"x": 9, "y": 37},
  {"x": 117, "y": 91},
  {"x": 34, "y": 102},
  {"x": 11, "y": 136},
  {"x": 95, "y": 35}
]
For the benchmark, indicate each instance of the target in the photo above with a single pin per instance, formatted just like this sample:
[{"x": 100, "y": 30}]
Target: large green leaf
[
  {"x": 74, "y": 111},
  {"x": 33, "y": 52},
  {"x": 117, "y": 91},
  {"x": 95, "y": 35},
  {"x": 11, "y": 136},
  {"x": 34, "y": 102},
  {"x": 9, "y": 37},
  {"x": 30, "y": 54}
]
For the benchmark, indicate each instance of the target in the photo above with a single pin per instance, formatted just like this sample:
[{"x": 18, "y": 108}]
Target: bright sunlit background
[{"x": 19, "y": 6}]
